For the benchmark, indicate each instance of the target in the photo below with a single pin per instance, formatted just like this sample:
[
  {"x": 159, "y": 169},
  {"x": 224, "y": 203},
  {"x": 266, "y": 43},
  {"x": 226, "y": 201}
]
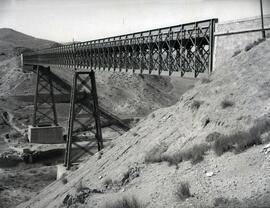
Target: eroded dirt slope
[{"x": 239, "y": 179}]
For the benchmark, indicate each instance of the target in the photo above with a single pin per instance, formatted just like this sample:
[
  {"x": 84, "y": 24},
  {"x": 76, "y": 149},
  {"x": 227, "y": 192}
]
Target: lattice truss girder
[{"x": 182, "y": 48}]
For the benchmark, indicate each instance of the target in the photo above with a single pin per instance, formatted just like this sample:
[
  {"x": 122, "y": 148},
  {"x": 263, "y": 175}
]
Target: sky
[{"x": 81, "y": 20}]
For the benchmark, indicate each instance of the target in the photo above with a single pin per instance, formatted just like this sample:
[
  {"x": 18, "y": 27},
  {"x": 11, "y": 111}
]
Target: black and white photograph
[{"x": 134, "y": 103}]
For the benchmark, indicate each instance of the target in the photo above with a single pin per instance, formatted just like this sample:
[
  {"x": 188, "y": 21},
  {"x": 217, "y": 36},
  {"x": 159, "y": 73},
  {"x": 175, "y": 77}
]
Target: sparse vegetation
[
  {"x": 196, "y": 105},
  {"x": 241, "y": 141},
  {"x": 130, "y": 174},
  {"x": 64, "y": 180},
  {"x": 237, "y": 142},
  {"x": 135, "y": 134},
  {"x": 237, "y": 52},
  {"x": 225, "y": 202},
  {"x": 155, "y": 154},
  {"x": 182, "y": 191},
  {"x": 194, "y": 154},
  {"x": 205, "y": 80},
  {"x": 255, "y": 43},
  {"x": 125, "y": 202},
  {"x": 212, "y": 137},
  {"x": 226, "y": 103},
  {"x": 107, "y": 182},
  {"x": 80, "y": 187}
]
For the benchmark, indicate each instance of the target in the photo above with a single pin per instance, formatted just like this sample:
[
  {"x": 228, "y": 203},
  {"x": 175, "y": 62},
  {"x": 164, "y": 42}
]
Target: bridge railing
[{"x": 181, "y": 48}]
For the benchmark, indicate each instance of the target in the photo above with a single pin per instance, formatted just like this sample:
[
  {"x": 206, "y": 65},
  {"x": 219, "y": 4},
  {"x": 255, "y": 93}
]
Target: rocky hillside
[
  {"x": 13, "y": 43},
  {"x": 205, "y": 151},
  {"x": 130, "y": 95}
]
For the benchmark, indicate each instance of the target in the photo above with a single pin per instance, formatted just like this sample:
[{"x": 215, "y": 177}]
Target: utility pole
[{"x": 263, "y": 31}]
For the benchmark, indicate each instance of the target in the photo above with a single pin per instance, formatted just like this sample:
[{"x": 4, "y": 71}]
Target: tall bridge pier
[{"x": 180, "y": 49}]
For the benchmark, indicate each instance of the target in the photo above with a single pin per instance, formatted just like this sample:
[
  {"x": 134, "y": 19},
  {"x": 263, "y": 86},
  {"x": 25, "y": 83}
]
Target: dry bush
[
  {"x": 249, "y": 46},
  {"x": 196, "y": 105},
  {"x": 194, "y": 154},
  {"x": 135, "y": 134},
  {"x": 205, "y": 80},
  {"x": 125, "y": 202},
  {"x": 255, "y": 43},
  {"x": 226, "y": 104},
  {"x": 155, "y": 154},
  {"x": 222, "y": 202},
  {"x": 64, "y": 180},
  {"x": 237, "y": 142},
  {"x": 81, "y": 187},
  {"x": 107, "y": 182},
  {"x": 241, "y": 141},
  {"x": 182, "y": 191},
  {"x": 173, "y": 159},
  {"x": 212, "y": 137},
  {"x": 236, "y": 53}
]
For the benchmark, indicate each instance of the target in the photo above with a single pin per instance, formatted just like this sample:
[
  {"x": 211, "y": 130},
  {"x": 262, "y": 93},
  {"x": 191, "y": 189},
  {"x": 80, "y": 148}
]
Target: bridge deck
[{"x": 180, "y": 48}]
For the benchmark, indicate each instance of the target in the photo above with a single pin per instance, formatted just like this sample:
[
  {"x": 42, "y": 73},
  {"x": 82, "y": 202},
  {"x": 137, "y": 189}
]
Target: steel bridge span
[{"x": 163, "y": 51}]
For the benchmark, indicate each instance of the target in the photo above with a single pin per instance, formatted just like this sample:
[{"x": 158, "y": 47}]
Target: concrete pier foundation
[{"x": 45, "y": 135}]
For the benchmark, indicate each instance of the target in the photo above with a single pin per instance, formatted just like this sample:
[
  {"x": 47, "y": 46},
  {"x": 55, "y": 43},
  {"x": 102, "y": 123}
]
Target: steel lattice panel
[{"x": 181, "y": 48}]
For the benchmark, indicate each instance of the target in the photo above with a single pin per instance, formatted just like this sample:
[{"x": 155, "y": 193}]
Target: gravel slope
[{"x": 244, "y": 81}]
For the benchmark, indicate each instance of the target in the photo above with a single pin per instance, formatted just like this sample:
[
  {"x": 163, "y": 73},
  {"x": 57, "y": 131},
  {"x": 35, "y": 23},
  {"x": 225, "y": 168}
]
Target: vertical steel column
[
  {"x": 34, "y": 122},
  {"x": 52, "y": 99},
  {"x": 75, "y": 111},
  {"x": 44, "y": 104},
  {"x": 141, "y": 52},
  {"x": 96, "y": 112},
  {"x": 160, "y": 53},
  {"x": 170, "y": 33},
  {"x": 151, "y": 65},
  {"x": 211, "y": 45},
  {"x": 262, "y": 19},
  {"x": 67, "y": 158},
  {"x": 196, "y": 64}
]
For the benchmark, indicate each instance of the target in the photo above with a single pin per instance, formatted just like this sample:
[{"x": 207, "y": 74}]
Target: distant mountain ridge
[{"x": 13, "y": 43}]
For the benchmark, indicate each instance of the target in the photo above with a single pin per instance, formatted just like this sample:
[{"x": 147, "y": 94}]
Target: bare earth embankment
[
  {"x": 125, "y": 95},
  {"x": 214, "y": 139}
]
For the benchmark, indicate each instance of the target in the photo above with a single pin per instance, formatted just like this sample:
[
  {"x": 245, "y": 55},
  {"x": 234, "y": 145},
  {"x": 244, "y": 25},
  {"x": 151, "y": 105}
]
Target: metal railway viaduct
[{"x": 163, "y": 51}]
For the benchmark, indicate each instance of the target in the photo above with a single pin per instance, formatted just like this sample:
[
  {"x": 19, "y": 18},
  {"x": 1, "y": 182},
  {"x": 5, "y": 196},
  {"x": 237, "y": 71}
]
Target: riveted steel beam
[{"x": 185, "y": 48}]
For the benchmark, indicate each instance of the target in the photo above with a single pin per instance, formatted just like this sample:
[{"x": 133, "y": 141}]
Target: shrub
[
  {"x": 125, "y": 202},
  {"x": 248, "y": 47},
  {"x": 226, "y": 104},
  {"x": 212, "y": 137},
  {"x": 173, "y": 159},
  {"x": 222, "y": 202},
  {"x": 195, "y": 105},
  {"x": 241, "y": 141},
  {"x": 135, "y": 134},
  {"x": 255, "y": 43},
  {"x": 206, "y": 80},
  {"x": 107, "y": 182},
  {"x": 155, "y": 154},
  {"x": 64, "y": 180},
  {"x": 80, "y": 187},
  {"x": 182, "y": 191},
  {"x": 194, "y": 154},
  {"x": 236, "y": 53}
]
